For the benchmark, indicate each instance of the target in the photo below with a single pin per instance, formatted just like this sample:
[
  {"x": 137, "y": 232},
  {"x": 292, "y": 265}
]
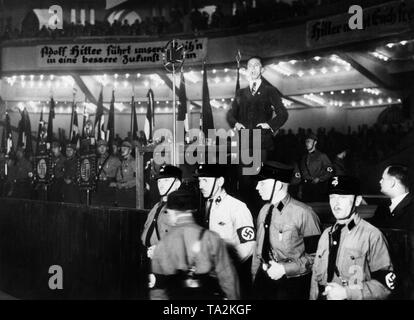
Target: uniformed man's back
[{"x": 191, "y": 262}]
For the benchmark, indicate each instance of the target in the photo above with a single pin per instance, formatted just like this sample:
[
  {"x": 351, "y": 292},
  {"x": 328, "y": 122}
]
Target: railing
[{"x": 98, "y": 250}]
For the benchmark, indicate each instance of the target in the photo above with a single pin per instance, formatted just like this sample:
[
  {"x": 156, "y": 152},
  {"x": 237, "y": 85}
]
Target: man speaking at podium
[{"x": 259, "y": 106}]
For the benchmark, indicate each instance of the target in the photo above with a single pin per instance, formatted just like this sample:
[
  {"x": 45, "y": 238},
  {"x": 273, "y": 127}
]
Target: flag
[
  {"x": 99, "y": 119},
  {"x": 149, "y": 120},
  {"x": 238, "y": 58},
  {"x": 84, "y": 120},
  {"x": 110, "y": 129},
  {"x": 207, "y": 115},
  {"x": 25, "y": 133},
  {"x": 74, "y": 127},
  {"x": 182, "y": 108},
  {"x": 238, "y": 78},
  {"x": 7, "y": 141},
  {"x": 2, "y": 107},
  {"x": 40, "y": 131},
  {"x": 50, "y": 120},
  {"x": 134, "y": 122},
  {"x": 61, "y": 136}
]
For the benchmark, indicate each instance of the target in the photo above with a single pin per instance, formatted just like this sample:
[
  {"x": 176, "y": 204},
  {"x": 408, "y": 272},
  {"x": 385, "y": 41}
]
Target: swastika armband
[
  {"x": 329, "y": 169},
  {"x": 246, "y": 234},
  {"x": 387, "y": 278}
]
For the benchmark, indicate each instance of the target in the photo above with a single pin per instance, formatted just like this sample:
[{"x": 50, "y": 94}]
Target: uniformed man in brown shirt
[
  {"x": 20, "y": 175},
  {"x": 107, "y": 166},
  {"x": 287, "y": 235},
  {"x": 70, "y": 189},
  {"x": 155, "y": 227},
  {"x": 191, "y": 262},
  {"x": 57, "y": 171},
  {"x": 315, "y": 169},
  {"x": 352, "y": 260},
  {"x": 126, "y": 178}
]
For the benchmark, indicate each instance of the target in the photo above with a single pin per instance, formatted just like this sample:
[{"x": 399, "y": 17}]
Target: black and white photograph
[{"x": 212, "y": 155}]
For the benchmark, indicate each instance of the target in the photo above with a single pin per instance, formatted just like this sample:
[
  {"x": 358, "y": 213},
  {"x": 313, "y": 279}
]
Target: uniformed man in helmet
[
  {"x": 315, "y": 169},
  {"x": 352, "y": 261},
  {"x": 287, "y": 236},
  {"x": 70, "y": 188},
  {"x": 126, "y": 177},
  {"x": 57, "y": 171},
  {"x": 155, "y": 228},
  {"x": 191, "y": 262},
  {"x": 230, "y": 218},
  {"x": 20, "y": 176},
  {"x": 107, "y": 166}
]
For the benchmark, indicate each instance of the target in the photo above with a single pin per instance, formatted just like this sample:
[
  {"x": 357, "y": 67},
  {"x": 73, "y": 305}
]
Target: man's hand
[
  {"x": 238, "y": 126},
  {"x": 264, "y": 125},
  {"x": 150, "y": 251},
  {"x": 276, "y": 270},
  {"x": 334, "y": 291}
]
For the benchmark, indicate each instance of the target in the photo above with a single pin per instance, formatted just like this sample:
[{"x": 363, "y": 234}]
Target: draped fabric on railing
[{"x": 97, "y": 248}]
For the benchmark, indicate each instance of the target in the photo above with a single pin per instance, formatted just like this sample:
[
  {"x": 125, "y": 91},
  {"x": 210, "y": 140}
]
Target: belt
[{"x": 184, "y": 280}]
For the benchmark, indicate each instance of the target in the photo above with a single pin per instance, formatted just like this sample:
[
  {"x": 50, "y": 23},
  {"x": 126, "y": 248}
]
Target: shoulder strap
[{"x": 203, "y": 230}]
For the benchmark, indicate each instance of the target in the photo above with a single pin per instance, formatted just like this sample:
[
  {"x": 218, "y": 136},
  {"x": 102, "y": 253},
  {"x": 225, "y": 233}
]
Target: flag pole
[
  {"x": 71, "y": 117},
  {"x": 131, "y": 124},
  {"x": 173, "y": 58},
  {"x": 174, "y": 119}
]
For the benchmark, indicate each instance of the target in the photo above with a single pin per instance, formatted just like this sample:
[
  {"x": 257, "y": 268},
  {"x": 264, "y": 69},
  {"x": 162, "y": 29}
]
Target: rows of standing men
[
  {"x": 223, "y": 253},
  {"x": 115, "y": 183}
]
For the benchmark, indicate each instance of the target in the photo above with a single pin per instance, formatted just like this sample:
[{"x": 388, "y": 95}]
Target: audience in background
[{"x": 195, "y": 21}]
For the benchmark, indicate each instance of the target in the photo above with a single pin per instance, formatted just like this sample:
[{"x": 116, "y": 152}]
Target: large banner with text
[
  {"x": 389, "y": 18},
  {"x": 114, "y": 55}
]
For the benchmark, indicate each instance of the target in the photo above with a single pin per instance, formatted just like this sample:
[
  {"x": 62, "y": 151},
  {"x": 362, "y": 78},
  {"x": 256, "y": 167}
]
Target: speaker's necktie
[{"x": 253, "y": 88}]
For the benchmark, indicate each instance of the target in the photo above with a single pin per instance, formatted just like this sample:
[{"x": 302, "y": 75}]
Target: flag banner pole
[
  {"x": 174, "y": 160},
  {"x": 173, "y": 58}
]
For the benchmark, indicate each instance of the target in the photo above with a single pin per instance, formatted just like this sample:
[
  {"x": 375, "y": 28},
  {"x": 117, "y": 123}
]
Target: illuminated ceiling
[{"x": 323, "y": 81}]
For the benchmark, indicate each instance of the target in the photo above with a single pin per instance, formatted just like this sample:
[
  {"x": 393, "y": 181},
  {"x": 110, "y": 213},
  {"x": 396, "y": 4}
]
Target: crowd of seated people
[{"x": 195, "y": 21}]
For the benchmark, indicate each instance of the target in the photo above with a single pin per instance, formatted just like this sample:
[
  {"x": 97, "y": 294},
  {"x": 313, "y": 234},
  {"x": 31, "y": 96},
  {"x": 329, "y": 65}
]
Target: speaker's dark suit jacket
[{"x": 265, "y": 106}]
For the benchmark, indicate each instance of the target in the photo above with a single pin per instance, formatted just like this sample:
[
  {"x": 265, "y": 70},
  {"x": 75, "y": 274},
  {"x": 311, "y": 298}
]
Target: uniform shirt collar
[
  {"x": 184, "y": 219},
  {"x": 397, "y": 200},
  {"x": 352, "y": 223},
  {"x": 282, "y": 204},
  {"x": 219, "y": 197}
]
